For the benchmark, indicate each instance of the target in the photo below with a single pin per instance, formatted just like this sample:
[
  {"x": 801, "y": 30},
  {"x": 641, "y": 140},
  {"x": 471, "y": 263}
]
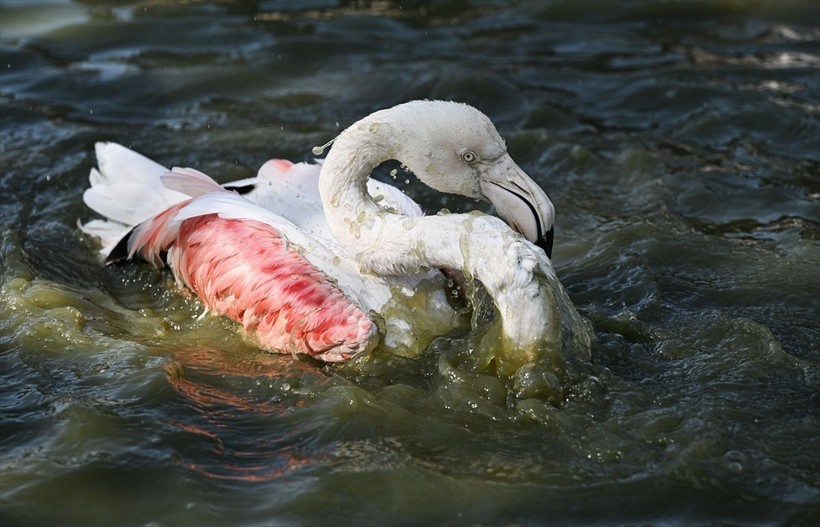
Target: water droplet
[
  {"x": 734, "y": 461},
  {"x": 319, "y": 150}
]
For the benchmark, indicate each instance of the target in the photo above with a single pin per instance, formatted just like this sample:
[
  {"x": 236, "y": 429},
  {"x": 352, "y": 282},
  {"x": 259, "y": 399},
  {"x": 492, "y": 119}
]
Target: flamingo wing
[{"x": 232, "y": 255}]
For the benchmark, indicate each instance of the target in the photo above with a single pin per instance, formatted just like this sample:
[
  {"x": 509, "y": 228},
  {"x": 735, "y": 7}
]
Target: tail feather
[
  {"x": 127, "y": 187},
  {"x": 116, "y": 160},
  {"x": 190, "y": 182}
]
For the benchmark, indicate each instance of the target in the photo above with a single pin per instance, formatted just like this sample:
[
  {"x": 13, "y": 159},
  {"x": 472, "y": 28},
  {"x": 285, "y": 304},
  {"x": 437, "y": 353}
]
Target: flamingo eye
[{"x": 469, "y": 157}]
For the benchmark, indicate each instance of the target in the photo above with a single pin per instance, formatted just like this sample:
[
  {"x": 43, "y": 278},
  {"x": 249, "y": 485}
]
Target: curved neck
[
  {"x": 382, "y": 241},
  {"x": 355, "y": 153}
]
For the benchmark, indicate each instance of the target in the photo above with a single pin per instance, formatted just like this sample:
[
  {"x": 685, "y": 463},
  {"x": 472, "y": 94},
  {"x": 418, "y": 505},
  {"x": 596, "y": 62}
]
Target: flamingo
[{"x": 319, "y": 259}]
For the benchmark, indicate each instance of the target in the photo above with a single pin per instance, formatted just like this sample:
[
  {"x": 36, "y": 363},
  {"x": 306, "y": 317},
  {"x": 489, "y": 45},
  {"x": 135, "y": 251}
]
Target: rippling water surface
[{"x": 679, "y": 141}]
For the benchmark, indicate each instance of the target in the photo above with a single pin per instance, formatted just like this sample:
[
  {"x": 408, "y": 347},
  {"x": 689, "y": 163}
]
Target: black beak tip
[{"x": 545, "y": 242}]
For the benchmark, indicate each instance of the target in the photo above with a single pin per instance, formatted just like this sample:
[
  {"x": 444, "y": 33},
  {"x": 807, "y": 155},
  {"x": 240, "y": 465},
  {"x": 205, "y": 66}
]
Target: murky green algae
[{"x": 680, "y": 150}]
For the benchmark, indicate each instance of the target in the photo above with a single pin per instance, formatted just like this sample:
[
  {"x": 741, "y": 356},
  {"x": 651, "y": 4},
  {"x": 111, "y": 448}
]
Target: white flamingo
[{"x": 319, "y": 259}]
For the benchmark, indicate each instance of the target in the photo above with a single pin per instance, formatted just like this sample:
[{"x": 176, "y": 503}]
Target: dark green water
[{"x": 680, "y": 143}]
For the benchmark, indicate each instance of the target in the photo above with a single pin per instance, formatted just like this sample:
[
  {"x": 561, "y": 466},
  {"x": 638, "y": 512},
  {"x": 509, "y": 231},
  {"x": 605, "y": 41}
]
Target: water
[{"x": 679, "y": 141}]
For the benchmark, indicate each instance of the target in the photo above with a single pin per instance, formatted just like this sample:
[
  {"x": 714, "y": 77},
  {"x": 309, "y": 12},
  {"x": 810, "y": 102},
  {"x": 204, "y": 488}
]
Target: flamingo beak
[{"x": 520, "y": 202}]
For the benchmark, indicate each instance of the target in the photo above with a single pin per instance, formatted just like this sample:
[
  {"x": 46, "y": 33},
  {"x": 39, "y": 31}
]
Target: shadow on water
[{"x": 679, "y": 142}]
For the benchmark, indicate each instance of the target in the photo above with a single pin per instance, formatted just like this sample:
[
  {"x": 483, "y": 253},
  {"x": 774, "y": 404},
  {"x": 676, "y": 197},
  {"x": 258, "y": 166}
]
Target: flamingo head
[{"x": 456, "y": 149}]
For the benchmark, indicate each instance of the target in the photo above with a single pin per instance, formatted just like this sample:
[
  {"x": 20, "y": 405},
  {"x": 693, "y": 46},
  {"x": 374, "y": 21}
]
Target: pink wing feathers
[{"x": 243, "y": 268}]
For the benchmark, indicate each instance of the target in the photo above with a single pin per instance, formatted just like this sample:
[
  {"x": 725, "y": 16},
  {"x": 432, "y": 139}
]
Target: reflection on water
[
  {"x": 679, "y": 142},
  {"x": 215, "y": 384}
]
